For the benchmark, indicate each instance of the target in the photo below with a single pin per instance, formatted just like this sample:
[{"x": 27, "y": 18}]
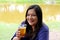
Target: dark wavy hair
[{"x": 29, "y": 32}]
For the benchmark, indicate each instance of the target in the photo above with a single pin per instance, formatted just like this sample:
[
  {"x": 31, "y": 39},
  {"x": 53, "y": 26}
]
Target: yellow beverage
[{"x": 22, "y": 31}]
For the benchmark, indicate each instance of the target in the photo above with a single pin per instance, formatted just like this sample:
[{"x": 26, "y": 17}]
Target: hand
[
  {"x": 18, "y": 33},
  {"x": 15, "y": 38},
  {"x": 18, "y": 36}
]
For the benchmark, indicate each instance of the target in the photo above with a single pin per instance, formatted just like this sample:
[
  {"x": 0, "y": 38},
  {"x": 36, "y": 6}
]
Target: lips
[{"x": 31, "y": 21}]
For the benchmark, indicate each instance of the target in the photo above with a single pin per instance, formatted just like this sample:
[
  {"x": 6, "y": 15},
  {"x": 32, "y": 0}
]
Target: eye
[{"x": 33, "y": 15}]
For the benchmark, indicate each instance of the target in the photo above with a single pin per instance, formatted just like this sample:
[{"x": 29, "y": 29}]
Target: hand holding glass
[{"x": 23, "y": 30}]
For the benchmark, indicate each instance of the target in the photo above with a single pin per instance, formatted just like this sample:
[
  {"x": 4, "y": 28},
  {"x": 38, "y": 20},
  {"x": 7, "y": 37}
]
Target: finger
[
  {"x": 15, "y": 38},
  {"x": 18, "y": 33}
]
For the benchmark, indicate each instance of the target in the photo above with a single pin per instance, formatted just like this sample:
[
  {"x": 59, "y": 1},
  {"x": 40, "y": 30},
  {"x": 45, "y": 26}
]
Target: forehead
[{"x": 31, "y": 11}]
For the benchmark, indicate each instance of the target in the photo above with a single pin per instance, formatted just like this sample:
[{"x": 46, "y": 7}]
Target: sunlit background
[{"x": 12, "y": 13}]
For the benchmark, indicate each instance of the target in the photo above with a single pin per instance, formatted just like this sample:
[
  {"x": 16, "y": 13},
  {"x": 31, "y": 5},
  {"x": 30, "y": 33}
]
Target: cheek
[
  {"x": 27, "y": 18},
  {"x": 36, "y": 20}
]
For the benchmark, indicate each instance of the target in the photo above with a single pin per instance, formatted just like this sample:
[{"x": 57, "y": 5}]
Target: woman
[{"x": 36, "y": 29}]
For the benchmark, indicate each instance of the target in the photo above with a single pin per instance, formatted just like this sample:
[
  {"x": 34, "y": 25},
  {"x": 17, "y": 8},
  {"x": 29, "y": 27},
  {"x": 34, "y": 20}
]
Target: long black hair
[{"x": 30, "y": 34}]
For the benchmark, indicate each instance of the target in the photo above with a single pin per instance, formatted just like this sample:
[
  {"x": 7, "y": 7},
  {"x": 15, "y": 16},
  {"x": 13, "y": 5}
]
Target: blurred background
[{"x": 12, "y": 13}]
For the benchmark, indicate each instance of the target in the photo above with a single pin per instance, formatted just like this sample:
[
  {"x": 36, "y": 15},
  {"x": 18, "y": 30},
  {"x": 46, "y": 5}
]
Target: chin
[{"x": 30, "y": 24}]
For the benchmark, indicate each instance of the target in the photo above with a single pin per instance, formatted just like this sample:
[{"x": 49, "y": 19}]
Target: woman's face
[{"x": 32, "y": 17}]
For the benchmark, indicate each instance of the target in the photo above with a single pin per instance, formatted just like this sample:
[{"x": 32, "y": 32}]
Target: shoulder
[
  {"x": 21, "y": 24},
  {"x": 44, "y": 28},
  {"x": 43, "y": 33}
]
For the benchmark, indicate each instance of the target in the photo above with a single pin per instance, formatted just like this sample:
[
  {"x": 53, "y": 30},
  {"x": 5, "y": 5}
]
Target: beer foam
[{"x": 22, "y": 27}]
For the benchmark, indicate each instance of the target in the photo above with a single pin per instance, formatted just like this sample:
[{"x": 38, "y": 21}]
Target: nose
[{"x": 30, "y": 17}]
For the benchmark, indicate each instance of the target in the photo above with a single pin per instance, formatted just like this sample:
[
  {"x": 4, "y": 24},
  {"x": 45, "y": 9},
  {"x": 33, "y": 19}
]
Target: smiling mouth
[{"x": 31, "y": 21}]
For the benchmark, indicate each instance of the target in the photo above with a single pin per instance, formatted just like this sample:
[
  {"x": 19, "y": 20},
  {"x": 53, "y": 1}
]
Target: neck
[{"x": 33, "y": 28}]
